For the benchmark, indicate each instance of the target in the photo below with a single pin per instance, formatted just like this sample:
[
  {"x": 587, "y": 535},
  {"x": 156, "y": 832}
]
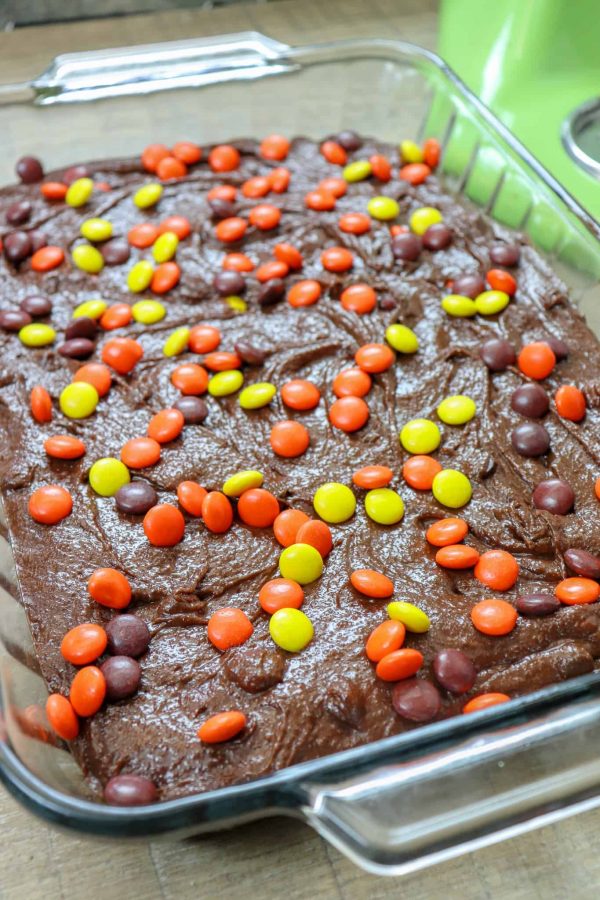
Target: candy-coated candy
[
  {"x": 354, "y": 223},
  {"x": 554, "y": 496},
  {"x": 498, "y": 354},
  {"x": 447, "y": 531},
  {"x": 187, "y": 152},
  {"x": 419, "y": 472},
  {"x": 423, "y": 218},
  {"x": 499, "y": 280},
  {"x": 166, "y": 277},
  {"x": 62, "y": 717},
  {"x": 237, "y": 304},
  {"x": 272, "y": 269},
  {"x": 491, "y": 302},
  {"x": 88, "y": 259},
  {"x": 381, "y": 166},
  {"x": 337, "y": 259},
  {"x": 370, "y": 477},
  {"x": 385, "y": 639},
  {"x": 222, "y": 192},
  {"x": 222, "y": 361},
  {"x": 258, "y": 508},
  {"x": 164, "y": 525},
  {"x": 582, "y": 562},
  {"x": 190, "y": 378},
  {"x": 406, "y": 247},
  {"x": 243, "y": 481},
  {"x": 177, "y": 224},
  {"x": 413, "y": 618},
  {"x": 217, "y": 512},
  {"x": 317, "y": 534},
  {"x": 454, "y": 670},
  {"x": 37, "y": 335},
  {"x": 349, "y": 413},
  {"x": 319, "y": 200},
  {"x": 570, "y": 403},
  {"x": 384, "y": 506},
  {"x": 84, "y": 644},
  {"x": 416, "y": 699},
  {"x": 414, "y": 173},
  {"x": 374, "y": 358},
  {"x": 64, "y": 446},
  {"x": 457, "y": 556},
  {"x": 122, "y": 354},
  {"x": 143, "y": 235},
  {"x": 574, "y": 591},
  {"x": 140, "y": 276},
  {"x": 165, "y": 246},
  {"x": 288, "y": 254},
  {"x": 79, "y": 192},
  {"x": 291, "y": 629},
  {"x": 79, "y": 400},
  {"x": 456, "y": 410},
  {"x": 170, "y": 167},
  {"x": 280, "y": 593},
  {"x": 497, "y": 569},
  {"x": 40, "y": 404},
  {"x": 411, "y": 152},
  {"x": 334, "y": 502},
  {"x": 148, "y": 312},
  {"x": 229, "y": 627},
  {"x": 530, "y": 400},
  {"x": 274, "y": 147},
  {"x": 485, "y": 701},
  {"x": 224, "y": 158},
  {"x": 420, "y": 436},
  {"x": 432, "y": 151},
  {"x": 204, "y": 338},
  {"x": 372, "y": 583},
  {"x": 536, "y": 360},
  {"x": 459, "y": 306},
  {"x": 148, "y": 195},
  {"x": 107, "y": 475},
  {"x": 138, "y": 453},
  {"x": 304, "y": 293},
  {"x": 334, "y": 153},
  {"x": 351, "y": 383},
  {"x": 50, "y": 504},
  {"x": 259, "y": 186},
  {"x": 255, "y": 396},
  {"x": 194, "y": 409},
  {"x": 383, "y": 208},
  {"x": 357, "y": 171},
  {"x": 279, "y": 179},
  {"x": 402, "y": 338},
  {"x": 90, "y": 309},
  {"x": 224, "y": 383},
  {"x": 88, "y": 690},
  {"x": 128, "y": 635},
  {"x": 437, "y": 237},
  {"x": 399, "y": 664},
  {"x": 47, "y": 258},
  {"x": 129, "y": 790},
  {"x": 231, "y": 229},
  {"x": 287, "y": 524},
  {"x": 166, "y": 425},
  {"x": 96, "y": 230},
  {"x": 136, "y": 498},
  {"x": 359, "y": 298},
  {"x": 96, "y": 374},
  {"x": 597, "y": 488},
  {"x": 451, "y": 488},
  {"x": 494, "y": 617},
  {"x": 222, "y": 726},
  {"x": 265, "y": 216},
  {"x": 301, "y": 563},
  {"x": 122, "y": 675},
  {"x": 191, "y": 496},
  {"x": 300, "y": 395},
  {"x": 177, "y": 342},
  {"x": 289, "y": 438},
  {"x": 29, "y": 170},
  {"x": 152, "y": 155}
]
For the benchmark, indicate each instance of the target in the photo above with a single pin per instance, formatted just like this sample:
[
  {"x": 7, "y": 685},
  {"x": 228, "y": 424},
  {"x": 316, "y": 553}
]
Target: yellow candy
[
  {"x": 107, "y": 475},
  {"x": 177, "y": 342},
  {"x": 402, "y": 338},
  {"x": 242, "y": 481},
  {"x": 291, "y": 629},
  {"x": 87, "y": 258},
  {"x": 165, "y": 247},
  {"x": 96, "y": 229},
  {"x": 451, "y": 488},
  {"x": 301, "y": 562},
  {"x": 456, "y": 410},
  {"x": 79, "y": 400},
  {"x": 383, "y": 208},
  {"x": 459, "y": 306},
  {"x": 257, "y": 395},
  {"x": 413, "y": 618},
  {"x": 357, "y": 171},
  {"x": 236, "y": 303},
  {"x": 148, "y": 195},
  {"x": 37, "y": 335},
  {"x": 334, "y": 502},
  {"x": 420, "y": 436},
  {"x": 140, "y": 276},
  {"x": 423, "y": 218},
  {"x": 411, "y": 152},
  {"x": 79, "y": 192},
  {"x": 491, "y": 302},
  {"x": 224, "y": 383},
  {"x": 384, "y": 506},
  {"x": 148, "y": 311},
  {"x": 92, "y": 309}
]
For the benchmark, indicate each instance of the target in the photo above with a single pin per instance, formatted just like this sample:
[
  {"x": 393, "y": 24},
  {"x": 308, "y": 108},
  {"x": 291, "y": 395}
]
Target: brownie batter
[{"x": 325, "y": 698}]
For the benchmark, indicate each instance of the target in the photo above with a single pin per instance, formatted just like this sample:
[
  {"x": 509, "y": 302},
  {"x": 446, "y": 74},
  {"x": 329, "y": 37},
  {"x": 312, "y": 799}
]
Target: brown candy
[
  {"x": 505, "y": 254},
  {"x": 554, "y": 496},
  {"x": 416, "y": 700},
  {"x": 29, "y": 170},
  {"x": 17, "y": 246},
  {"x": 83, "y": 327},
  {"x": 122, "y": 675},
  {"x": 14, "y": 319},
  {"x": 537, "y": 604},
  {"x": 583, "y": 563},
  {"x": 36, "y": 305},
  {"x": 249, "y": 354},
  {"x": 77, "y": 348},
  {"x": 454, "y": 671},
  {"x": 130, "y": 790},
  {"x": 128, "y": 635},
  {"x": 136, "y": 498},
  {"x": 18, "y": 212},
  {"x": 271, "y": 292},
  {"x": 194, "y": 409}
]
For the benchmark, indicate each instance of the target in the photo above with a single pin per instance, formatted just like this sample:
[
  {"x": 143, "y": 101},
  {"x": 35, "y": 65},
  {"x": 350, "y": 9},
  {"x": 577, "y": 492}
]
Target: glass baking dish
[{"x": 405, "y": 802}]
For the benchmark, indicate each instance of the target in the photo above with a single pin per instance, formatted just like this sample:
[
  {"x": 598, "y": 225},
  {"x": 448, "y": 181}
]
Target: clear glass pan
[{"x": 399, "y": 804}]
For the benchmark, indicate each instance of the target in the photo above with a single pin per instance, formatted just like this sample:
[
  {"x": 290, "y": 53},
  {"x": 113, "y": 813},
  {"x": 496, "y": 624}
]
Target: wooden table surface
[{"x": 266, "y": 859}]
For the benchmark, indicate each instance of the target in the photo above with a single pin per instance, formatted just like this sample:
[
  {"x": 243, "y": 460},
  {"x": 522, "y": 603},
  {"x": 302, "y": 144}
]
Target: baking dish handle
[{"x": 494, "y": 785}]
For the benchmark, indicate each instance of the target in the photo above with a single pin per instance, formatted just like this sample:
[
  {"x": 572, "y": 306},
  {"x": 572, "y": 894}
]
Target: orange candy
[
  {"x": 165, "y": 277},
  {"x": 279, "y": 180},
  {"x": 497, "y": 569},
  {"x": 370, "y": 477},
  {"x": 170, "y": 167},
  {"x": 280, "y": 593},
  {"x": 359, "y": 298},
  {"x": 164, "y": 525},
  {"x": 143, "y": 235},
  {"x": 178, "y": 224},
  {"x": 166, "y": 425},
  {"x": 499, "y": 280},
  {"x": 432, "y": 150},
  {"x": 288, "y": 254},
  {"x": 230, "y": 230},
  {"x": 229, "y": 627},
  {"x": 152, "y": 155},
  {"x": 204, "y": 338},
  {"x": 265, "y": 216},
  {"x": 494, "y": 617},
  {"x": 116, "y": 316},
  {"x": 222, "y": 361},
  {"x": 337, "y": 259},
  {"x": 381, "y": 167},
  {"x": 349, "y": 414},
  {"x": 352, "y": 383},
  {"x": 317, "y": 534},
  {"x": 447, "y": 531},
  {"x": 334, "y": 153},
  {"x": 88, "y": 690},
  {"x": 287, "y": 524},
  {"x": 47, "y": 258},
  {"x": 64, "y": 446},
  {"x": 217, "y": 512},
  {"x": 485, "y": 701},
  {"x": 304, "y": 293},
  {"x": 457, "y": 556},
  {"x": 399, "y": 664},
  {"x": 289, "y": 438},
  {"x": 122, "y": 354},
  {"x": 258, "y": 508},
  {"x": 300, "y": 395},
  {"x": 222, "y": 727},
  {"x": 275, "y": 147},
  {"x": 138, "y": 453},
  {"x": 570, "y": 403},
  {"x": 385, "y": 639},
  {"x": 319, "y": 200},
  {"x": 576, "y": 591},
  {"x": 187, "y": 152},
  {"x": 224, "y": 158},
  {"x": 50, "y": 504},
  {"x": 109, "y": 587},
  {"x": 222, "y": 192},
  {"x": 190, "y": 378},
  {"x": 62, "y": 717},
  {"x": 354, "y": 223},
  {"x": 537, "y": 360},
  {"x": 597, "y": 488},
  {"x": 237, "y": 262},
  {"x": 96, "y": 374},
  {"x": 40, "y": 404},
  {"x": 54, "y": 190},
  {"x": 419, "y": 472},
  {"x": 191, "y": 497},
  {"x": 272, "y": 269},
  {"x": 84, "y": 644},
  {"x": 372, "y": 583},
  {"x": 336, "y": 186},
  {"x": 414, "y": 173},
  {"x": 259, "y": 186},
  {"x": 374, "y": 357}
]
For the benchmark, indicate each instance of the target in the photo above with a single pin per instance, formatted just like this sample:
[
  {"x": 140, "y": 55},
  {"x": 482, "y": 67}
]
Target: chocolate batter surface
[{"x": 325, "y": 698}]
